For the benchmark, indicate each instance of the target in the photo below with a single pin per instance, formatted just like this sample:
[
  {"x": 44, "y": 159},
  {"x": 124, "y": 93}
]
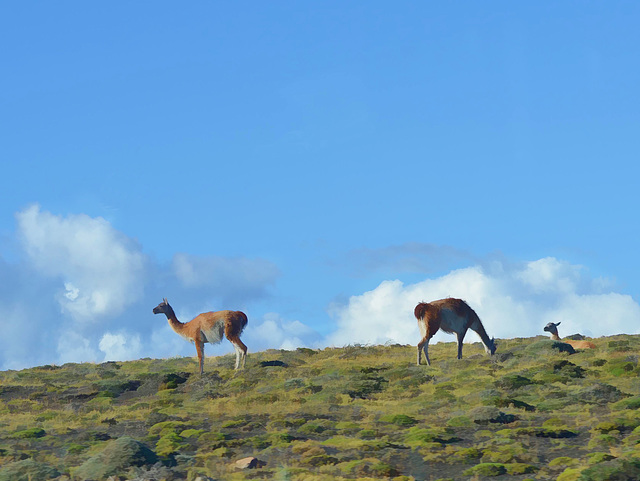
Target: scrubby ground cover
[{"x": 359, "y": 412}]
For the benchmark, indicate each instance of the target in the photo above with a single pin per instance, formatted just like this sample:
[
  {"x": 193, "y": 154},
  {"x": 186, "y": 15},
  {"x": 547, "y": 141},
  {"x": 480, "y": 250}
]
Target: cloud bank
[
  {"x": 100, "y": 270},
  {"x": 512, "y": 300}
]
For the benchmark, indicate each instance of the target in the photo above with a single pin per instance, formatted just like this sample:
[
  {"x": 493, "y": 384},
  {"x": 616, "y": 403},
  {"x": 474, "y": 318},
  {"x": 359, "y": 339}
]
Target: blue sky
[{"x": 321, "y": 166}]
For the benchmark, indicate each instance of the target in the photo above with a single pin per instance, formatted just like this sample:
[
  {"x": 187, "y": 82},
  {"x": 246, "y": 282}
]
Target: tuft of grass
[{"x": 31, "y": 433}]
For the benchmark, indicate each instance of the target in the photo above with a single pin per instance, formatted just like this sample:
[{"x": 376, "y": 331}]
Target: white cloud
[
  {"x": 123, "y": 346},
  {"x": 73, "y": 347},
  {"x": 101, "y": 270},
  {"x": 277, "y": 333},
  {"x": 511, "y": 300}
]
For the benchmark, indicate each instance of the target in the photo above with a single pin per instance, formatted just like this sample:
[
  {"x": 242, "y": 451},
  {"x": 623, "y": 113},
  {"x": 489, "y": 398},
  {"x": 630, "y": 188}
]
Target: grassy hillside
[{"x": 529, "y": 412}]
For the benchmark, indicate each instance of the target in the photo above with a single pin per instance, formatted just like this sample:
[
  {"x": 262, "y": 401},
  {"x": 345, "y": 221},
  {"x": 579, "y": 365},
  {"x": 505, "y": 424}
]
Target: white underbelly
[{"x": 215, "y": 334}]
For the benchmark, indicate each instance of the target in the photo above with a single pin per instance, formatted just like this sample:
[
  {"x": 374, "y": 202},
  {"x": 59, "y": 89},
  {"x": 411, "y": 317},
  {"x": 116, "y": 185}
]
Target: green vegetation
[{"x": 532, "y": 411}]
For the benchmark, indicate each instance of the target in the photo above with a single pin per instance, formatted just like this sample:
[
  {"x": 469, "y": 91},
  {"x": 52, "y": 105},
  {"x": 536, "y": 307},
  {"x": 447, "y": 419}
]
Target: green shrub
[
  {"x": 402, "y": 420},
  {"x": 553, "y": 405},
  {"x": 619, "y": 345},
  {"x": 188, "y": 433},
  {"x": 318, "y": 460},
  {"x": 497, "y": 456},
  {"x": 31, "y": 433},
  {"x": 466, "y": 454},
  {"x": 27, "y": 470},
  {"x": 599, "y": 393},
  {"x": 173, "y": 380},
  {"x": 617, "y": 469},
  {"x": 211, "y": 439},
  {"x": 311, "y": 428},
  {"x": 629, "y": 403},
  {"x": 347, "y": 427},
  {"x": 280, "y": 438},
  {"x": 367, "y": 467},
  {"x": 257, "y": 442},
  {"x": 384, "y": 470},
  {"x": 569, "y": 474},
  {"x": 606, "y": 427},
  {"x": 563, "y": 461},
  {"x": 416, "y": 436},
  {"x": 506, "y": 402},
  {"x": 459, "y": 422},
  {"x": 363, "y": 385},
  {"x": 486, "y": 469},
  {"x": 74, "y": 448},
  {"x": 114, "y": 388},
  {"x": 168, "y": 444},
  {"x": 234, "y": 423},
  {"x": 306, "y": 351},
  {"x": 116, "y": 458},
  {"x": 602, "y": 441},
  {"x": 166, "y": 427},
  {"x": 568, "y": 370},
  {"x": 515, "y": 469},
  {"x": 595, "y": 458},
  {"x": 367, "y": 434},
  {"x": 294, "y": 383},
  {"x": 47, "y": 416},
  {"x": 620, "y": 367},
  {"x": 490, "y": 414},
  {"x": 555, "y": 433}
]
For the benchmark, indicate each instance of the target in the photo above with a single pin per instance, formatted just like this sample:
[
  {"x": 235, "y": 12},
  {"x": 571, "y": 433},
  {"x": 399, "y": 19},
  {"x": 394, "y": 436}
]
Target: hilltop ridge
[{"x": 530, "y": 411}]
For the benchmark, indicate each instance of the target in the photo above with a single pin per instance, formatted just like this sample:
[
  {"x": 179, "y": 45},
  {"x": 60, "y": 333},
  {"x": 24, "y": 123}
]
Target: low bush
[
  {"x": 27, "y": 470},
  {"x": 400, "y": 420},
  {"x": 31, "y": 433},
  {"x": 515, "y": 469},
  {"x": 116, "y": 458},
  {"x": 486, "y": 469},
  {"x": 617, "y": 469}
]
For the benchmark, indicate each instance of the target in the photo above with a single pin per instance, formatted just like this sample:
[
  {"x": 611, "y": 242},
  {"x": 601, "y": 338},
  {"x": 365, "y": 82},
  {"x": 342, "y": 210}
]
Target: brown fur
[
  {"x": 553, "y": 329},
  {"x": 195, "y": 329},
  {"x": 430, "y": 316}
]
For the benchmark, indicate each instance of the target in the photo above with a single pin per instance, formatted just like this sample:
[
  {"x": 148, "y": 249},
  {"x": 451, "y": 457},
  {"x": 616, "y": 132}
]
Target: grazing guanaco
[
  {"x": 209, "y": 327},
  {"x": 452, "y": 316},
  {"x": 553, "y": 329}
]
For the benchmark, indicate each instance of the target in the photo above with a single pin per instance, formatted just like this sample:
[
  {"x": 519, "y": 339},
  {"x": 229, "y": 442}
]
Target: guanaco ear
[
  {"x": 557, "y": 323},
  {"x": 165, "y": 300}
]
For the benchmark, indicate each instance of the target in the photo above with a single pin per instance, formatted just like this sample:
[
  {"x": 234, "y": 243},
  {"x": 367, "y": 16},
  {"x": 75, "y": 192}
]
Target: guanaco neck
[
  {"x": 175, "y": 324},
  {"x": 483, "y": 335},
  {"x": 554, "y": 336}
]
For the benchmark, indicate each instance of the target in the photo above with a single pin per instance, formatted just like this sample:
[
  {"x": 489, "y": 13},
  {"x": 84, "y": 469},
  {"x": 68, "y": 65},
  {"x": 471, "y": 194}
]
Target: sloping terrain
[{"x": 359, "y": 412}]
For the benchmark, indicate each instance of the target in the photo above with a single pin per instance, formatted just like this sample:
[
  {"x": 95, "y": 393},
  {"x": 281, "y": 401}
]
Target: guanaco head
[
  {"x": 163, "y": 308},
  {"x": 552, "y": 327},
  {"x": 491, "y": 346}
]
